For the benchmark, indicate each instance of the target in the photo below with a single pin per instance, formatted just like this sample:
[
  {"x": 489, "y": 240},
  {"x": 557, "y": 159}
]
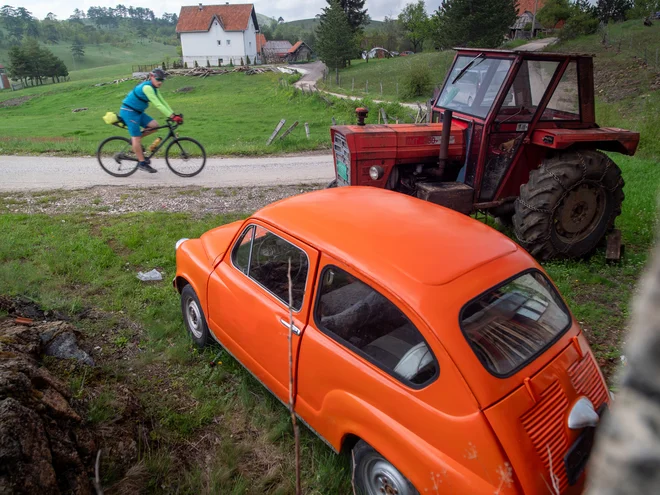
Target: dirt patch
[
  {"x": 185, "y": 89},
  {"x": 618, "y": 80},
  {"x": 15, "y": 102}
]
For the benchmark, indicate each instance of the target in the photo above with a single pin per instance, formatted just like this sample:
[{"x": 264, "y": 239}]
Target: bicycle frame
[{"x": 148, "y": 153}]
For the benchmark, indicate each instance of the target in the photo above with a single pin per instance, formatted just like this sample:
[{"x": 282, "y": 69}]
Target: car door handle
[{"x": 293, "y": 328}]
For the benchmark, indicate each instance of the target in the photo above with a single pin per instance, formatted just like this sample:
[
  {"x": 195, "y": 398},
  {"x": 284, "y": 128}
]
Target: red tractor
[{"x": 512, "y": 133}]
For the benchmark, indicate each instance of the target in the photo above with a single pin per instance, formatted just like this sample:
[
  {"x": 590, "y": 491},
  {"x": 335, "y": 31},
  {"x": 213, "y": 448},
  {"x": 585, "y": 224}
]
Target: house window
[
  {"x": 250, "y": 44},
  {"x": 219, "y": 42},
  {"x": 228, "y": 42},
  {"x": 363, "y": 320}
]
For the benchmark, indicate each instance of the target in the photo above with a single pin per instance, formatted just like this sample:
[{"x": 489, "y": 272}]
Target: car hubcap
[
  {"x": 580, "y": 213},
  {"x": 193, "y": 316},
  {"x": 383, "y": 479}
]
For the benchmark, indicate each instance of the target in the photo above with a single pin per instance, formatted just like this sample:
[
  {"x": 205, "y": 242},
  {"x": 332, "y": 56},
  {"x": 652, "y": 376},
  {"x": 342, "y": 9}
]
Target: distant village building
[
  {"x": 276, "y": 51},
  {"x": 526, "y": 11},
  {"x": 4, "y": 80},
  {"x": 299, "y": 52},
  {"x": 218, "y": 34}
]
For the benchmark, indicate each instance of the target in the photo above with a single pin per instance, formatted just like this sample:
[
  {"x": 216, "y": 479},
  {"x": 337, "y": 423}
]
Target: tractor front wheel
[{"x": 568, "y": 205}]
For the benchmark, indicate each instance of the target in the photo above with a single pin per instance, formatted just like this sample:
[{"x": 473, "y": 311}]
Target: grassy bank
[
  {"x": 364, "y": 78},
  {"x": 232, "y": 114}
]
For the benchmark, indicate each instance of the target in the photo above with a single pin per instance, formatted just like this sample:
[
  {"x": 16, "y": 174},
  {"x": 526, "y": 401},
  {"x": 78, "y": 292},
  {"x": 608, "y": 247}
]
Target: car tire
[
  {"x": 374, "y": 475},
  {"x": 194, "y": 318},
  {"x": 568, "y": 205}
]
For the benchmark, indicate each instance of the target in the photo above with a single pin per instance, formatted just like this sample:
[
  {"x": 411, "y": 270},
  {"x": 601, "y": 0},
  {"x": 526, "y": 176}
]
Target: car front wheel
[
  {"x": 194, "y": 318},
  {"x": 375, "y": 475}
]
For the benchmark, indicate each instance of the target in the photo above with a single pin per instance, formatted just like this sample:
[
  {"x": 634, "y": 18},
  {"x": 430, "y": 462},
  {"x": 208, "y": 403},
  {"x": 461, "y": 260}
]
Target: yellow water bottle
[{"x": 155, "y": 144}]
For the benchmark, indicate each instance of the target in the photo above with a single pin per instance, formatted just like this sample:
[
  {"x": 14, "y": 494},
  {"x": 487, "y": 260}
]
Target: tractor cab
[{"x": 503, "y": 124}]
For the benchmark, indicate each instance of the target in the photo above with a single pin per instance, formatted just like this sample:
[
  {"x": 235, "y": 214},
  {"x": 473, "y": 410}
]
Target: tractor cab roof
[{"x": 524, "y": 53}]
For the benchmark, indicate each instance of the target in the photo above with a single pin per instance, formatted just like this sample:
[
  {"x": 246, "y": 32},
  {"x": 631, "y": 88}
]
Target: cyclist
[{"x": 133, "y": 112}]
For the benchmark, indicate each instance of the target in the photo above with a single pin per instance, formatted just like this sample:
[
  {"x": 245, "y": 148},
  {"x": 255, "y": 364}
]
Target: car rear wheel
[
  {"x": 193, "y": 316},
  {"x": 568, "y": 205},
  {"x": 375, "y": 475}
]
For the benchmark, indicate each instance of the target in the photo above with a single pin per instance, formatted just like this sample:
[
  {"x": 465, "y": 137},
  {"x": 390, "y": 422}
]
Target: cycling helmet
[{"x": 159, "y": 74}]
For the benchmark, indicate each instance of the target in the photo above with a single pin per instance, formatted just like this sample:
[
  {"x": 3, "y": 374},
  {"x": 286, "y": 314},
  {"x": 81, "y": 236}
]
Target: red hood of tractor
[{"x": 406, "y": 143}]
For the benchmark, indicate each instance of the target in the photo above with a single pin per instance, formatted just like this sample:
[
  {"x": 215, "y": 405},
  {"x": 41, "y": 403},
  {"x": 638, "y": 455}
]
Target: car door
[{"x": 249, "y": 301}]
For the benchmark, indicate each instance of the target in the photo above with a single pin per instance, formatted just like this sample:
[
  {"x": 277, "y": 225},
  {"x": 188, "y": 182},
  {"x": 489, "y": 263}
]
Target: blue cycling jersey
[{"x": 136, "y": 100}]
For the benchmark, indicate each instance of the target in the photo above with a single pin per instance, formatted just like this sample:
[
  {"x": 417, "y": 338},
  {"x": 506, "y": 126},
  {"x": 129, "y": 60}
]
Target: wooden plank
[
  {"x": 278, "y": 128},
  {"x": 289, "y": 130},
  {"x": 614, "y": 246}
]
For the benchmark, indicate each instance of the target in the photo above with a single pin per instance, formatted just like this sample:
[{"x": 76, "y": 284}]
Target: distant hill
[
  {"x": 309, "y": 24},
  {"x": 264, "y": 19}
]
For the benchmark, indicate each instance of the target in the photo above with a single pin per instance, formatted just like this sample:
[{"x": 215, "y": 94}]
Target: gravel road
[{"x": 40, "y": 173}]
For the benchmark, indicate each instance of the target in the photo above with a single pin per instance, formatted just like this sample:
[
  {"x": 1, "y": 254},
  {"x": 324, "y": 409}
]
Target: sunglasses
[{"x": 159, "y": 80}]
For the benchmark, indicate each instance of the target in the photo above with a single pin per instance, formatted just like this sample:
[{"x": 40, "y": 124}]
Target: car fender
[
  {"x": 194, "y": 266},
  {"x": 432, "y": 468}
]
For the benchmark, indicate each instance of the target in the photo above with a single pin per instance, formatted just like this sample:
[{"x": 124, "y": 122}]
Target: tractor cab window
[
  {"x": 565, "y": 102},
  {"x": 526, "y": 91},
  {"x": 473, "y": 84}
]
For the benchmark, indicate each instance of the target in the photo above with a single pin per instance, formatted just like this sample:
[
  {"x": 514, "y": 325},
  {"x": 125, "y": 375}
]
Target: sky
[{"x": 289, "y": 10}]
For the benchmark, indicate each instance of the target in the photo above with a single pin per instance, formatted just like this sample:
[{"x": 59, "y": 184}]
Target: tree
[
  {"x": 335, "y": 37},
  {"x": 415, "y": 23},
  {"x": 356, "y": 13},
  {"x": 553, "y": 12},
  {"x": 613, "y": 10},
  {"x": 475, "y": 23},
  {"x": 77, "y": 49}
]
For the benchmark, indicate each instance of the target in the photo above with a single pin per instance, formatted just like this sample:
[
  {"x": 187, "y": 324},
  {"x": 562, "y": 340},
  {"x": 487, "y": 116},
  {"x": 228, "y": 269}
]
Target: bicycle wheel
[
  {"x": 185, "y": 157},
  {"x": 116, "y": 156}
]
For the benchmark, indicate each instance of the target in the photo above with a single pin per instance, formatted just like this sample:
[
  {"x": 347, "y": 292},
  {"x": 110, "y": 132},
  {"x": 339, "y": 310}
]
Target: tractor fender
[
  {"x": 603, "y": 138},
  {"x": 357, "y": 419}
]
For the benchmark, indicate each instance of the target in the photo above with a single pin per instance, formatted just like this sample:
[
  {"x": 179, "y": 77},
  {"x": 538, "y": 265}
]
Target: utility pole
[{"x": 536, "y": 3}]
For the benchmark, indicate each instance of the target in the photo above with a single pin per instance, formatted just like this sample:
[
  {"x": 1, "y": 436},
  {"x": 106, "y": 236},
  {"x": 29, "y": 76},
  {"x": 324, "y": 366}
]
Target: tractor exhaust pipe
[{"x": 444, "y": 143}]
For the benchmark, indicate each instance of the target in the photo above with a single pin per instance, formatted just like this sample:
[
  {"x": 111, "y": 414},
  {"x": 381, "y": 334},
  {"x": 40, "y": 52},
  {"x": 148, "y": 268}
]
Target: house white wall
[{"x": 234, "y": 45}]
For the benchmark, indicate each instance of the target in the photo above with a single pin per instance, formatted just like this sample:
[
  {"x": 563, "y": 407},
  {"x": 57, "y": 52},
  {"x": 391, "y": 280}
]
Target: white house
[{"x": 218, "y": 34}]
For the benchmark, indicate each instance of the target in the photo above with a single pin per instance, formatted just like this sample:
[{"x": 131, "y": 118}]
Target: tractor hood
[{"x": 406, "y": 143}]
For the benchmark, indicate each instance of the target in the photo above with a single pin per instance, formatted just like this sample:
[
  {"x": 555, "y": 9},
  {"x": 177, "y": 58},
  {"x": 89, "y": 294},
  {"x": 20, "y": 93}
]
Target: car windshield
[
  {"x": 510, "y": 325},
  {"x": 473, "y": 84}
]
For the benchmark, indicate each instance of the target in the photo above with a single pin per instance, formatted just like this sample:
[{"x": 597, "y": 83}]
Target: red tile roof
[
  {"x": 261, "y": 41},
  {"x": 295, "y": 47},
  {"x": 528, "y": 5},
  {"x": 235, "y": 17}
]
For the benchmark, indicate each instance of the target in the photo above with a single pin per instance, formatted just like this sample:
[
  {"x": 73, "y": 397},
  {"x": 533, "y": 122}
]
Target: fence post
[
  {"x": 353, "y": 80},
  {"x": 278, "y": 128},
  {"x": 367, "y": 86},
  {"x": 307, "y": 129},
  {"x": 381, "y": 88}
]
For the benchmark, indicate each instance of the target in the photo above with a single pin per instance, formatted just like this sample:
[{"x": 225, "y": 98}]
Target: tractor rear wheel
[{"x": 568, "y": 205}]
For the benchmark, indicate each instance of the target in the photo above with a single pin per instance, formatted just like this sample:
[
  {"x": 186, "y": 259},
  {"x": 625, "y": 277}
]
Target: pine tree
[
  {"x": 196, "y": 64},
  {"x": 613, "y": 10},
  {"x": 77, "y": 49},
  {"x": 355, "y": 12},
  {"x": 335, "y": 38},
  {"x": 247, "y": 59},
  {"x": 185, "y": 65},
  {"x": 208, "y": 63},
  {"x": 473, "y": 23},
  {"x": 242, "y": 62}
]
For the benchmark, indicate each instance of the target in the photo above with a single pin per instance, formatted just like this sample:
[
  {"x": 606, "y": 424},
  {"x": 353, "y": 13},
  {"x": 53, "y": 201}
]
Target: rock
[{"x": 65, "y": 346}]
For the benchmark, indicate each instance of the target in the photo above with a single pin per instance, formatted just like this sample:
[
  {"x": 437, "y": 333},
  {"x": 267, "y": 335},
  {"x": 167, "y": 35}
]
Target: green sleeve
[{"x": 157, "y": 100}]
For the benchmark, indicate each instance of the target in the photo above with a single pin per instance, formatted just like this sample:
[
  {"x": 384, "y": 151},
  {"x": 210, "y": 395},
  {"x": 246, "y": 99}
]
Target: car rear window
[{"x": 511, "y": 324}]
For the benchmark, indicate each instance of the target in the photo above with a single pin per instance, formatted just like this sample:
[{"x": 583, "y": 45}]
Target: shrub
[
  {"x": 247, "y": 60},
  {"x": 196, "y": 64},
  {"x": 242, "y": 61},
  {"x": 579, "y": 25},
  {"x": 164, "y": 66},
  {"x": 208, "y": 63},
  {"x": 418, "y": 80},
  {"x": 185, "y": 65}
]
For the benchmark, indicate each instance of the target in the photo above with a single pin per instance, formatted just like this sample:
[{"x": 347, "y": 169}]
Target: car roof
[{"x": 388, "y": 235}]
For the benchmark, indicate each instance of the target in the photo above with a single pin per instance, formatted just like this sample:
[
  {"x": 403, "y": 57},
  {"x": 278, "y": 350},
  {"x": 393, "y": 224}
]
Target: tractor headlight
[
  {"x": 179, "y": 242},
  {"x": 376, "y": 172}
]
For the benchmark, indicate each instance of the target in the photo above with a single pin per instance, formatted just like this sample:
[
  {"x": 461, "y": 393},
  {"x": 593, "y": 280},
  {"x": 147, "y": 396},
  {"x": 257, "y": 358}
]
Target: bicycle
[{"x": 116, "y": 156}]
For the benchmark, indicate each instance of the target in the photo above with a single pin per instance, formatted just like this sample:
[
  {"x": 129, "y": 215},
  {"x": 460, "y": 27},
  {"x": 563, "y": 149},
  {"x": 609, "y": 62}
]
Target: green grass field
[
  {"x": 104, "y": 55},
  {"x": 231, "y": 114},
  {"x": 364, "y": 78}
]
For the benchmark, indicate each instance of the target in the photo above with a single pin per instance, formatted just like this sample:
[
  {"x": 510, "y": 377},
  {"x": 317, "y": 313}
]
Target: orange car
[{"x": 433, "y": 347}]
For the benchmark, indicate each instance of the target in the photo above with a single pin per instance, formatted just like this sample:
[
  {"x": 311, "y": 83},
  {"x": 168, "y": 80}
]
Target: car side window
[
  {"x": 358, "y": 316},
  {"x": 264, "y": 257},
  {"x": 240, "y": 257}
]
